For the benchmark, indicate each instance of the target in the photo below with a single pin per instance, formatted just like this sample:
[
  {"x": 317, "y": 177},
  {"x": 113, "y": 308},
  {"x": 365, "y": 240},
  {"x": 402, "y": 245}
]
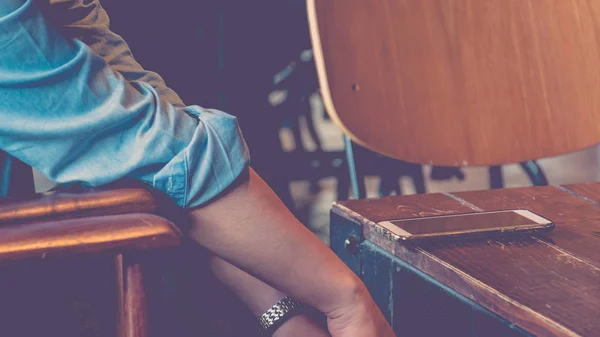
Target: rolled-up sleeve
[{"x": 64, "y": 111}]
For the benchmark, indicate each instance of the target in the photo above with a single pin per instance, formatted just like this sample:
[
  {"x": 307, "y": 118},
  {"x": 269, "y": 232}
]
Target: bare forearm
[
  {"x": 259, "y": 297},
  {"x": 251, "y": 228}
]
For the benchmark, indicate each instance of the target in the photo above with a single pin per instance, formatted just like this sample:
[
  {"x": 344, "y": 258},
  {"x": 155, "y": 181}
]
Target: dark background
[{"x": 221, "y": 54}]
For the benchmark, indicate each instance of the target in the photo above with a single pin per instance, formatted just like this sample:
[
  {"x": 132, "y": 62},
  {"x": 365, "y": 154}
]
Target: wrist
[
  {"x": 289, "y": 325},
  {"x": 300, "y": 325},
  {"x": 351, "y": 292}
]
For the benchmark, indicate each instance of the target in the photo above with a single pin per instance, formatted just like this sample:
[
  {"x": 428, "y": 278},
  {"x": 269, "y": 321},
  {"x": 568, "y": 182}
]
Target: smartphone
[{"x": 482, "y": 224}]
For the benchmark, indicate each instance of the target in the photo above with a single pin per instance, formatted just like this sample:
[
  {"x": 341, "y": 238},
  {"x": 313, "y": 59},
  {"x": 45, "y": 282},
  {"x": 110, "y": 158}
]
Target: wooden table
[{"x": 541, "y": 286}]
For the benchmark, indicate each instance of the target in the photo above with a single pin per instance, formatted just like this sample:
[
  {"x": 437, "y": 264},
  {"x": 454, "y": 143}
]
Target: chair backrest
[
  {"x": 16, "y": 178},
  {"x": 461, "y": 82}
]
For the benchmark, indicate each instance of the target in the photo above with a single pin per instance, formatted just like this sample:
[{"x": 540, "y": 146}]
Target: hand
[
  {"x": 359, "y": 317},
  {"x": 300, "y": 326}
]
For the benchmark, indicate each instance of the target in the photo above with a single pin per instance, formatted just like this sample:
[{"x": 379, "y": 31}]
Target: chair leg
[
  {"x": 535, "y": 173},
  {"x": 390, "y": 182},
  {"x": 132, "y": 309},
  {"x": 496, "y": 179},
  {"x": 419, "y": 180},
  {"x": 356, "y": 181}
]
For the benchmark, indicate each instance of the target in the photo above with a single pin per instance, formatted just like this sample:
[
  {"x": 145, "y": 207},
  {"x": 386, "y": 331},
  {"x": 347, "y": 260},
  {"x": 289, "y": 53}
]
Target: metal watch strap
[{"x": 281, "y": 311}]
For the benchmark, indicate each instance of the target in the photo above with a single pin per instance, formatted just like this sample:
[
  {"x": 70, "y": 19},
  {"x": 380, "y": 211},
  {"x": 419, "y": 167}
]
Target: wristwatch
[{"x": 283, "y": 310}]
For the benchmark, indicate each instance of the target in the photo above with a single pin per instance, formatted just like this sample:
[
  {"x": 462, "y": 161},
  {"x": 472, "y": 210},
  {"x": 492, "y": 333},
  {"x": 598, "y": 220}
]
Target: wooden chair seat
[
  {"x": 114, "y": 233},
  {"x": 118, "y": 219},
  {"x": 121, "y": 198},
  {"x": 87, "y": 220}
]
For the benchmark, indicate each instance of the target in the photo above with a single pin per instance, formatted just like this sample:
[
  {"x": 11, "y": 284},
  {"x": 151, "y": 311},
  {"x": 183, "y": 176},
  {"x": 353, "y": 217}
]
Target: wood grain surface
[
  {"x": 115, "y": 233},
  {"x": 587, "y": 191},
  {"x": 110, "y": 200},
  {"x": 548, "y": 285},
  {"x": 133, "y": 309},
  {"x": 462, "y": 82}
]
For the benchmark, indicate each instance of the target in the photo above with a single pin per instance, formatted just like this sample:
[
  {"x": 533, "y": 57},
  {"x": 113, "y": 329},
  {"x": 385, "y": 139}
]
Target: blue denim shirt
[{"x": 65, "y": 111}]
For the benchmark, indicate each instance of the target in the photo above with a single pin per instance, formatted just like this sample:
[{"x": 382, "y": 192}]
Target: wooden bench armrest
[
  {"x": 121, "y": 198},
  {"x": 114, "y": 233}
]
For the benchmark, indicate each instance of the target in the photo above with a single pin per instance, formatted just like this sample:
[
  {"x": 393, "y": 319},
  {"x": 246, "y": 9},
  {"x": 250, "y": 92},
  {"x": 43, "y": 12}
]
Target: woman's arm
[
  {"x": 259, "y": 297},
  {"x": 67, "y": 113},
  {"x": 88, "y": 22},
  {"x": 251, "y": 228}
]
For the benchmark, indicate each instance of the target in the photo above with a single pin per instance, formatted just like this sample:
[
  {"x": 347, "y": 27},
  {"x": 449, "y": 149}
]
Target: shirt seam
[{"x": 186, "y": 178}]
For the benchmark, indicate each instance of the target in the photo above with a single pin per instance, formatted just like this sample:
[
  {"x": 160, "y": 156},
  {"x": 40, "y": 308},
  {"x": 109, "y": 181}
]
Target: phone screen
[{"x": 465, "y": 222}]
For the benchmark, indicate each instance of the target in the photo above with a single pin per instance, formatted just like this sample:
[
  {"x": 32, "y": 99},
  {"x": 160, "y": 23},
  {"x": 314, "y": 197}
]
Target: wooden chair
[
  {"x": 457, "y": 83},
  {"x": 122, "y": 220}
]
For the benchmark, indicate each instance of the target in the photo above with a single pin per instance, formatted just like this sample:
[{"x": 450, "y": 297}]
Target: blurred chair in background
[{"x": 429, "y": 83}]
